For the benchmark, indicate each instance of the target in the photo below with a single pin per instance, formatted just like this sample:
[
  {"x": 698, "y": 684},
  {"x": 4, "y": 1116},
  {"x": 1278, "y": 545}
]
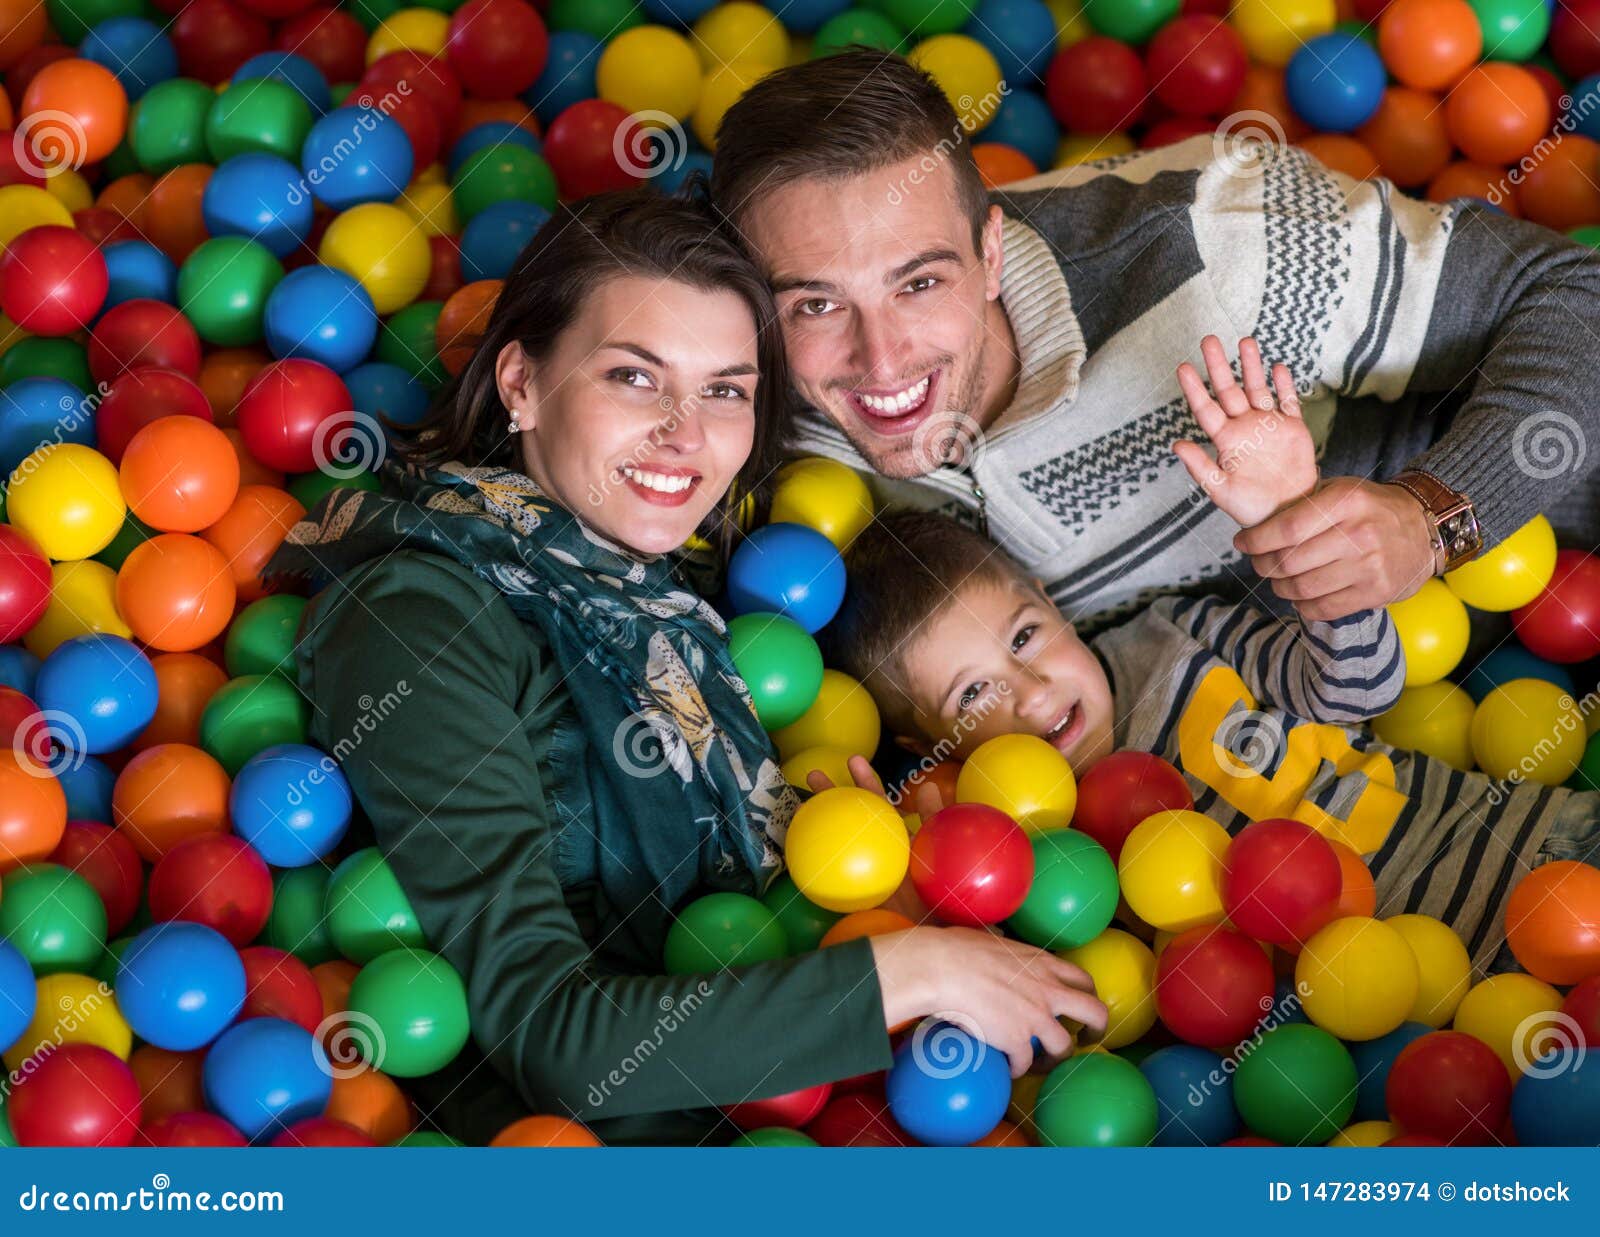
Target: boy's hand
[{"x": 1265, "y": 456}]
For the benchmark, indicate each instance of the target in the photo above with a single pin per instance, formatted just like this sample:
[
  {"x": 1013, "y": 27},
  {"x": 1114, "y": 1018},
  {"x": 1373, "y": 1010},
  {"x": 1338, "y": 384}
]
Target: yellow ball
[
  {"x": 1071, "y": 25},
  {"x": 1078, "y": 148},
  {"x": 433, "y": 174},
  {"x": 1365, "y": 1134},
  {"x": 72, "y": 1009},
  {"x": 720, "y": 91},
  {"x": 28, "y": 206},
  {"x": 1433, "y": 629},
  {"x": 1171, "y": 870},
  {"x": 650, "y": 69},
  {"x": 1513, "y": 573},
  {"x": 1514, "y": 1014},
  {"x": 67, "y": 498},
  {"x": 418, "y": 30},
  {"x": 1024, "y": 1095},
  {"x": 10, "y": 334},
  {"x": 1528, "y": 730},
  {"x": 825, "y": 495},
  {"x": 1025, "y": 778},
  {"x": 1273, "y": 30},
  {"x": 1444, "y": 972},
  {"x": 83, "y": 600},
  {"x": 382, "y": 249},
  {"x": 1435, "y": 720},
  {"x": 843, "y": 716},
  {"x": 832, "y": 761},
  {"x": 69, "y": 188},
  {"x": 1124, "y": 973},
  {"x": 966, "y": 71},
  {"x": 847, "y": 849},
  {"x": 737, "y": 32},
  {"x": 1357, "y": 978},
  {"x": 429, "y": 203}
]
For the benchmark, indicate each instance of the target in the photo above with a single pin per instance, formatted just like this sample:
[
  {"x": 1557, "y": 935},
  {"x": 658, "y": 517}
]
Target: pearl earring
[{"x": 512, "y": 428}]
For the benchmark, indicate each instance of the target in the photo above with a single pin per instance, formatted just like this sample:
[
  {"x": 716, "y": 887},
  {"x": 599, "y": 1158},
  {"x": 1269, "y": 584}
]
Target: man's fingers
[
  {"x": 1326, "y": 547},
  {"x": 1255, "y": 375},
  {"x": 1295, "y": 523},
  {"x": 1320, "y": 582},
  {"x": 1338, "y": 605},
  {"x": 1205, "y": 409}
]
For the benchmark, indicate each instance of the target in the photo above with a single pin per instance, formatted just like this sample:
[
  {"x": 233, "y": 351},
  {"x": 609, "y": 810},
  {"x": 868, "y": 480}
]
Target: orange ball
[
  {"x": 1553, "y": 922},
  {"x": 1358, "y": 896},
  {"x": 127, "y": 196},
  {"x": 1429, "y": 44},
  {"x": 225, "y": 374},
  {"x": 874, "y": 922},
  {"x": 169, "y": 793},
  {"x": 8, "y": 118},
  {"x": 462, "y": 322},
  {"x": 173, "y": 221},
  {"x": 1004, "y": 1135},
  {"x": 1343, "y": 153},
  {"x": 333, "y": 980},
  {"x": 544, "y": 1132},
  {"x": 251, "y": 470},
  {"x": 179, "y": 474},
  {"x": 372, "y": 1102},
  {"x": 250, "y": 532},
  {"x": 475, "y": 112},
  {"x": 1497, "y": 113},
  {"x": 1562, "y": 190},
  {"x": 168, "y": 1081},
  {"x": 89, "y": 112},
  {"x": 22, "y": 28},
  {"x": 1000, "y": 164},
  {"x": 1407, "y": 136},
  {"x": 176, "y": 591},
  {"x": 1474, "y": 180},
  {"x": 1264, "y": 91},
  {"x": 33, "y": 811},
  {"x": 185, "y": 683}
]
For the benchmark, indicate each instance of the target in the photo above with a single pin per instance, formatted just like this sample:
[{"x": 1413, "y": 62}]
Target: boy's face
[{"x": 999, "y": 659}]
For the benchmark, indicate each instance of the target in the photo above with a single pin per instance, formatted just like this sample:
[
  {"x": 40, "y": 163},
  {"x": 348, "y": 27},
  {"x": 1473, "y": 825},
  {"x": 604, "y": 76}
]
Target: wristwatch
[{"x": 1452, "y": 524}]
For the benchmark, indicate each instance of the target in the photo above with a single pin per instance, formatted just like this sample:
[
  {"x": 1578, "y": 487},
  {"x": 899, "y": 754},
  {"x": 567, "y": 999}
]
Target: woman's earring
[{"x": 513, "y": 427}]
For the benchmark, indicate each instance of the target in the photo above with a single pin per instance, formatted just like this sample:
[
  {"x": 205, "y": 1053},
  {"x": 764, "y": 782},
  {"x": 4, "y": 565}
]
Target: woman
[{"x": 504, "y": 636}]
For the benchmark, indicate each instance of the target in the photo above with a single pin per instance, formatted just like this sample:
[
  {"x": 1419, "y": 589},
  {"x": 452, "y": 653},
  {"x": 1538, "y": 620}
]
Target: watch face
[{"x": 1460, "y": 533}]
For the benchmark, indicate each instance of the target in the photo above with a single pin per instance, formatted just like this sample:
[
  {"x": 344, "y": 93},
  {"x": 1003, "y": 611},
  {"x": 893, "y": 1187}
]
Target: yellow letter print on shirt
[{"x": 1313, "y": 755}]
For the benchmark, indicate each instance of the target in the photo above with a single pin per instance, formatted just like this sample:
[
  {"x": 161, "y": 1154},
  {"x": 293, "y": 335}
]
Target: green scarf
[{"x": 674, "y": 747}]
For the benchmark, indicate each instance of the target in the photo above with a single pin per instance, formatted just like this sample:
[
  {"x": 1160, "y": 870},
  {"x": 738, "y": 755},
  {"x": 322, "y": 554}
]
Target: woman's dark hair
[{"x": 637, "y": 232}]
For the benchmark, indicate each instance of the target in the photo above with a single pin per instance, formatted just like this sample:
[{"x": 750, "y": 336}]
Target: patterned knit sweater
[{"x": 1392, "y": 313}]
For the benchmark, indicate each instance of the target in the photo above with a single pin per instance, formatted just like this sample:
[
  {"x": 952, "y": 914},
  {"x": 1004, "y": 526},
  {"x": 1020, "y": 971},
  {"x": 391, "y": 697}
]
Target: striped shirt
[{"x": 1264, "y": 717}]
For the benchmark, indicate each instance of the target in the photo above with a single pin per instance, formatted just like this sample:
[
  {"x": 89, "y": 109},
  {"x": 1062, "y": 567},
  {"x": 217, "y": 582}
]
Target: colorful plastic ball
[
  {"x": 721, "y": 90},
  {"x": 108, "y": 862},
  {"x": 857, "y": 26},
  {"x": 1435, "y": 720},
  {"x": 286, "y": 413},
  {"x": 1196, "y": 65},
  {"x": 1374, "y": 1058},
  {"x": 650, "y": 69},
  {"x": 223, "y": 288},
  {"x": 24, "y": 206},
  {"x": 1443, "y": 967},
  {"x": 331, "y": 39},
  {"x": 971, "y": 864},
  {"x": 264, "y": 1074},
  {"x": 297, "y": 72},
  {"x": 1296, "y": 1086},
  {"x": 168, "y": 126},
  {"x": 259, "y": 115},
  {"x": 787, "y": 569},
  {"x": 780, "y": 664},
  {"x": 103, "y": 687},
  {"x": 1528, "y": 730},
  {"x": 319, "y": 314},
  {"x": 1194, "y": 1097},
  {"x": 1553, "y": 922},
  {"x": 1512, "y": 29},
  {"x": 1171, "y": 870},
  {"x": 1212, "y": 986},
  {"x": 83, "y": 601},
  {"x": 189, "y": 1129},
  {"x": 279, "y": 985},
  {"x": 261, "y": 638},
  {"x": 134, "y": 50},
  {"x": 1515, "y": 1014},
  {"x": 741, "y": 31},
  {"x": 847, "y": 849},
  {"x": 1451, "y": 1086},
  {"x": 410, "y": 339},
  {"x": 947, "y": 1088},
  {"x": 1357, "y": 978},
  {"x": 1509, "y": 662},
  {"x": 53, "y": 281},
  {"x": 1096, "y": 1100},
  {"x": 137, "y": 270},
  {"x": 1336, "y": 82},
  {"x": 142, "y": 333},
  {"x": 1123, "y": 970},
  {"x": 1562, "y": 624},
  {"x": 1558, "y": 191},
  {"x": 214, "y": 37},
  {"x": 262, "y": 197},
  {"x": 569, "y": 75},
  {"x": 378, "y": 389},
  {"x": 542, "y": 1131},
  {"x": 92, "y": 105},
  {"x": 1496, "y": 114},
  {"x": 180, "y": 984},
  {"x": 1123, "y": 789},
  {"x": 41, "y": 357},
  {"x": 720, "y": 931},
  {"x": 1280, "y": 881},
  {"x": 1273, "y": 30},
  {"x": 489, "y": 133},
  {"x": 216, "y": 880},
  {"x": 1024, "y": 777},
  {"x": 1557, "y": 1104},
  {"x": 33, "y": 811},
  {"x": 17, "y": 993},
  {"x": 25, "y": 28},
  {"x": 592, "y": 147},
  {"x": 36, "y": 412},
  {"x": 1132, "y": 21},
  {"x": 1429, "y": 44},
  {"x": 54, "y": 917},
  {"x": 383, "y": 250},
  {"x": 87, "y": 788},
  {"x": 824, "y": 495},
  {"x": 1097, "y": 86},
  {"x": 1433, "y": 628},
  {"x": 322, "y": 1132},
  {"x": 297, "y": 923},
  {"x": 1580, "y": 115},
  {"x": 355, "y": 155},
  {"x": 1073, "y": 895},
  {"x": 168, "y": 793},
  {"x": 291, "y": 803},
  {"x": 875, "y": 921},
  {"x": 966, "y": 71},
  {"x": 78, "y": 1095},
  {"x": 789, "y": 1111},
  {"x": 417, "y": 1005},
  {"x": 179, "y": 474},
  {"x": 71, "y": 1009},
  {"x": 499, "y": 46},
  {"x": 176, "y": 592},
  {"x": 804, "y": 923},
  {"x": 1019, "y": 34},
  {"x": 368, "y": 912}
]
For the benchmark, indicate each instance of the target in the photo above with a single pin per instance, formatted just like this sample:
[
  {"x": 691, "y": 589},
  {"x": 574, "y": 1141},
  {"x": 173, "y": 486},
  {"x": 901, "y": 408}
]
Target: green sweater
[{"x": 457, "y": 735}]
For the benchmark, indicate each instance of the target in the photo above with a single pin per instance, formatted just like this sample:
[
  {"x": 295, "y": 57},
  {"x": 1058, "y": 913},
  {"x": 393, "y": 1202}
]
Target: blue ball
[
  {"x": 947, "y": 1088},
  {"x": 380, "y": 389},
  {"x": 1335, "y": 82},
  {"x": 568, "y": 75},
  {"x": 1194, "y": 1097},
  {"x": 1583, "y": 115},
  {"x": 670, "y": 178},
  {"x": 801, "y": 16},
  {"x": 35, "y": 411},
  {"x": 87, "y": 782},
  {"x": 1024, "y": 121},
  {"x": 490, "y": 133},
  {"x": 1021, "y": 34},
  {"x": 291, "y": 70},
  {"x": 180, "y": 984},
  {"x": 139, "y": 271},
  {"x": 18, "y": 993},
  {"x": 322, "y": 315},
  {"x": 494, "y": 238},
  {"x": 787, "y": 569},
  {"x": 1512, "y": 661},
  {"x": 291, "y": 803},
  {"x": 18, "y": 668},
  {"x": 1557, "y": 1102},
  {"x": 686, "y": 12},
  {"x": 104, "y": 687},
  {"x": 264, "y": 1074},
  {"x": 354, "y": 155},
  {"x": 135, "y": 50},
  {"x": 259, "y": 196},
  {"x": 1374, "y": 1058}
]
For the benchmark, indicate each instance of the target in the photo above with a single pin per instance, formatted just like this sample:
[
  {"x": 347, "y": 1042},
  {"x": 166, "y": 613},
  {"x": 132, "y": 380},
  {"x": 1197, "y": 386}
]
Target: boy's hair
[{"x": 903, "y": 569}]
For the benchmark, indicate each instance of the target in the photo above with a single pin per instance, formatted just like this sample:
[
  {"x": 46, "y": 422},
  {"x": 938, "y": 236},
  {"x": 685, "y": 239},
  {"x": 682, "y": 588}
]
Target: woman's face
[{"x": 644, "y": 412}]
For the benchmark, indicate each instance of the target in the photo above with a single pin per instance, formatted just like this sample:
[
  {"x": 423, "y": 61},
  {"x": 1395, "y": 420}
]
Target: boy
[{"x": 1263, "y": 715}]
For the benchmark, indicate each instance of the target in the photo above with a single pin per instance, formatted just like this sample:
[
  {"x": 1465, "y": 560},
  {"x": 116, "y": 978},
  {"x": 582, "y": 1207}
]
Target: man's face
[{"x": 887, "y": 309}]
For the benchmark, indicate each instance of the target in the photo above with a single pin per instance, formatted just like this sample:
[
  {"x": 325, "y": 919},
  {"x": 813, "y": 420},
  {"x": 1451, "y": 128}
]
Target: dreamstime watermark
[
  {"x": 349, "y": 444},
  {"x": 677, "y": 411},
  {"x": 1276, "y": 1011},
  {"x": 1548, "y": 444},
  {"x": 373, "y": 711},
  {"x": 1242, "y": 142},
  {"x": 1570, "y": 721},
  {"x": 1548, "y": 1044},
  {"x": 50, "y": 743},
  {"x": 364, "y": 124},
  {"x": 652, "y": 143},
  {"x": 674, "y": 1013},
  {"x": 75, "y": 1013},
  {"x": 952, "y": 441},
  {"x": 352, "y": 1044},
  {"x": 47, "y": 140},
  {"x": 76, "y": 414},
  {"x": 1573, "y": 113},
  {"x": 979, "y": 112},
  {"x": 947, "y": 747},
  {"x": 1248, "y": 742},
  {"x": 947, "y": 1044}
]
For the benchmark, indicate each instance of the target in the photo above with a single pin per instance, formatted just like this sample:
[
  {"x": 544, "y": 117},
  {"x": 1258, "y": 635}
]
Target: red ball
[
  {"x": 1212, "y": 987},
  {"x": 1097, "y": 85},
  {"x": 859, "y": 1119},
  {"x": 444, "y": 276},
  {"x": 140, "y": 397},
  {"x": 1124, "y": 789},
  {"x": 331, "y": 39},
  {"x": 24, "y": 583},
  {"x": 1197, "y": 65},
  {"x": 275, "y": 10},
  {"x": 1575, "y": 37},
  {"x": 79, "y": 1095},
  {"x": 143, "y": 332},
  {"x": 214, "y": 37},
  {"x": 429, "y": 79},
  {"x": 53, "y": 280},
  {"x": 1208, "y": 8},
  {"x": 215, "y": 879},
  {"x": 1281, "y": 881},
  {"x": 500, "y": 46},
  {"x": 581, "y": 147},
  {"x": 411, "y": 111},
  {"x": 1250, "y": 1140},
  {"x": 1451, "y": 1086},
  {"x": 191, "y": 1129},
  {"x": 279, "y": 985},
  {"x": 1583, "y": 1007},
  {"x": 12, "y": 170},
  {"x": 1562, "y": 624},
  {"x": 283, "y": 411},
  {"x": 793, "y": 1109},
  {"x": 1370, "y": 10},
  {"x": 1175, "y": 129},
  {"x": 1414, "y": 1140},
  {"x": 972, "y": 864},
  {"x": 322, "y": 1132},
  {"x": 105, "y": 858},
  {"x": 103, "y": 225},
  {"x": 19, "y": 721}
]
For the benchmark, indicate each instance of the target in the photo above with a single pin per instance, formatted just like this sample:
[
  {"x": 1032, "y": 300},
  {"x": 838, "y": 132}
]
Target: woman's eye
[
  {"x": 630, "y": 376},
  {"x": 1020, "y": 640},
  {"x": 725, "y": 390}
]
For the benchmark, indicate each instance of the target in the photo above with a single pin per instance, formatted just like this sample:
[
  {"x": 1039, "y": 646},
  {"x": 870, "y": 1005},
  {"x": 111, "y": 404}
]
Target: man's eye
[
  {"x": 921, "y": 283},
  {"x": 815, "y": 307},
  {"x": 1020, "y": 640}
]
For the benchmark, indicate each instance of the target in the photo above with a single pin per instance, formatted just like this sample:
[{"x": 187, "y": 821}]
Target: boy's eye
[
  {"x": 1024, "y": 634},
  {"x": 969, "y": 697}
]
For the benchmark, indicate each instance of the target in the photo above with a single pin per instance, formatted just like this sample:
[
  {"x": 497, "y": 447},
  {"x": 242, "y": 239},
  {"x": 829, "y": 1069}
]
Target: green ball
[
  {"x": 804, "y": 923},
  {"x": 414, "y": 1007},
  {"x": 1136, "y": 1052},
  {"x": 54, "y": 917},
  {"x": 367, "y": 912},
  {"x": 309, "y": 488},
  {"x": 223, "y": 288},
  {"x": 1073, "y": 895},
  {"x": 1365, "y": 31},
  {"x": 1588, "y": 235},
  {"x": 47, "y": 356},
  {"x": 258, "y": 114},
  {"x": 1587, "y": 775},
  {"x": 1297, "y": 1086},
  {"x": 249, "y": 713},
  {"x": 298, "y": 923},
  {"x": 502, "y": 173},
  {"x": 410, "y": 338},
  {"x": 120, "y": 162},
  {"x": 7, "y": 1138},
  {"x": 338, "y": 93},
  {"x": 1096, "y": 1100},
  {"x": 73, "y": 19},
  {"x": 428, "y": 1138},
  {"x": 110, "y": 962},
  {"x": 779, "y": 662},
  {"x": 133, "y": 534},
  {"x": 261, "y": 637},
  {"x": 371, "y": 13},
  {"x": 1512, "y": 29},
  {"x": 721, "y": 931},
  {"x": 853, "y": 27},
  {"x": 168, "y": 125},
  {"x": 929, "y": 17},
  {"x": 1132, "y": 21},
  {"x": 438, "y": 6},
  {"x": 773, "y": 1136},
  {"x": 600, "y": 19}
]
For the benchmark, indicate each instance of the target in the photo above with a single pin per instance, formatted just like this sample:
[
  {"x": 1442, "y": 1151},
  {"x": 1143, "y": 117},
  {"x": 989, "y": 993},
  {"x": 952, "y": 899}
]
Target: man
[{"x": 1013, "y": 354}]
